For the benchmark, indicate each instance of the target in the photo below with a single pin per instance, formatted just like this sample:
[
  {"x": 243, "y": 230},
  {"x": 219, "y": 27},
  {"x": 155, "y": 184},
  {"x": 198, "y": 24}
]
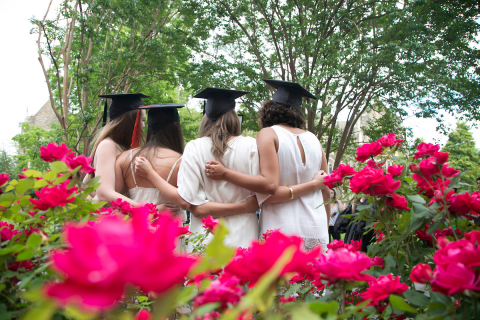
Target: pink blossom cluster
[
  {"x": 375, "y": 148},
  {"x": 104, "y": 257},
  {"x": 456, "y": 268},
  {"x": 53, "y": 196},
  {"x": 53, "y": 152},
  {"x": 226, "y": 290},
  {"x": 209, "y": 223}
]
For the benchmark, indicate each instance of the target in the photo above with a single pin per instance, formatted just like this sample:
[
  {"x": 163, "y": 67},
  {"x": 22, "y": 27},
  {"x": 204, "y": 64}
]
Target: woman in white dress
[
  {"x": 219, "y": 139},
  {"x": 120, "y": 133},
  {"x": 289, "y": 157}
]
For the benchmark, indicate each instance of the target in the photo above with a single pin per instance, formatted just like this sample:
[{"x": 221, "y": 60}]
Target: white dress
[
  {"x": 304, "y": 216},
  {"x": 197, "y": 189},
  {"x": 150, "y": 195}
]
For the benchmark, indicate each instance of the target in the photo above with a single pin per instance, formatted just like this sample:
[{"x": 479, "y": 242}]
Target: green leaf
[
  {"x": 294, "y": 288},
  {"x": 403, "y": 222},
  {"x": 12, "y": 249},
  {"x": 416, "y": 298},
  {"x": 323, "y": 307},
  {"x": 416, "y": 198},
  {"x": 26, "y": 254},
  {"x": 390, "y": 261},
  {"x": 186, "y": 294},
  {"x": 301, "y": 311},
  {"x": 62, "y": 179},
  {"x": 142, "y": 298},
  {"x": 40, "y": 184},
  {"x": 50, "y": 176},
  {"x": 416, "y": 225},
  {"x": 165, "y": 303},
  {"x": 93, "y": 181},
  {"x": 34, "y": 240},
  {"x": 206, "y": 308},
  {"x": 434, "y": 226},
  {"x": 44, "y": 311},
  {"x": 400, "y": 304},
  {"x": 59, "y": 166}
]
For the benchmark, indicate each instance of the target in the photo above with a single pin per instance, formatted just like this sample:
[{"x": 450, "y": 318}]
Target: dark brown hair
[
  {"x": 272, "y": 113},
  {"x": 120, "y": 130},
  {"x": 228, "y": 125}
]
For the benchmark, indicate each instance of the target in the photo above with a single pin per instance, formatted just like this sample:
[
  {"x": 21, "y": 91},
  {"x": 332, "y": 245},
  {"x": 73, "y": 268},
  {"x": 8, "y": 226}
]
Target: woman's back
[{"x": 304, "y": 216}]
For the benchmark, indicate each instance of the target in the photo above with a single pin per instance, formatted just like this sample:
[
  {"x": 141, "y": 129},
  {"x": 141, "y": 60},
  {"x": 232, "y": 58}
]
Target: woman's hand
[
  {"x": 318, "y": 178},
  {"x": 215, "y": 170},
  {"x": 143, "y": 167},
  {"x": 168, "y": 206},
  {"x": 251, "y": 204}
]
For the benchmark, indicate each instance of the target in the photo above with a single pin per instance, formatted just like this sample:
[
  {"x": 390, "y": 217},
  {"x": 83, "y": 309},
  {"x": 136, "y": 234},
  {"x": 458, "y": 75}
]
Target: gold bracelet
[{"x": 291, "y": 193}]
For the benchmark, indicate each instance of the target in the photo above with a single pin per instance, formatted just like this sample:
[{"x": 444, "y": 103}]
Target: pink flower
[
  {"x": 441, "y": 157},
  {"x": 335, "y": 245},
  {"x": 345, "y": 170},
  {"x": 378, "y": 261},
  {"x": 343, "y": 264},
  {"x": 284, "y": 300},
  {"x": 225, "y": 290},
  {"x": 426, "y": 149},
  {"x": 428, "y": 167},
  {"x": 51, "y": 197},
  {"x": 297, "y": 278},
  {"x": 54, "y": 152},
  {"x": 466, "y": 204},
  {"x": 372, "y": 164},
  {"x": 3, "y": 179},
  {"x": 143, "y": 315},
  {"x": 210, "y": 223},
  {"x": 448, "y": 172},
  {"x": 421, "y": 273},
  {"x": 382, "y": 287},
  {"x": 462, "y": 251},
  {"x": 395, "y": 170},
  {"x": 429, "y": 186},
  {"x": 473, "y": 237},
  {"x": 81, "y": 161},
  {"x": 368, "y": 150},
  {"x": 373, "y": 182},
  {"x": 339, "y": 244},
  {"x": 333, "y": 180},
  {"x": 454, "y": 278},
  {"x": 397, "y": 201},
  {"x": 389, "y": 140},
  {"x": 103, "y": 257},
  {"x": 183, "y": 230},
  {"x": 268, "y": 233},
  {"x": 250, "y": 265}
]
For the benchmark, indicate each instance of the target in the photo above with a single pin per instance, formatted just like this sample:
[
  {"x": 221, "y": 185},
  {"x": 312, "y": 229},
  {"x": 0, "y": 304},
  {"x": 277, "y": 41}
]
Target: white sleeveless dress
[
  {"x": 151, "y": 195},
  {"x": 197, "y": 189},
  {"x": 304, "y": 216}
]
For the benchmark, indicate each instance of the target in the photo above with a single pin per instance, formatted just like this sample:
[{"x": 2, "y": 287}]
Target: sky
[{"x": 23, "y": 88}]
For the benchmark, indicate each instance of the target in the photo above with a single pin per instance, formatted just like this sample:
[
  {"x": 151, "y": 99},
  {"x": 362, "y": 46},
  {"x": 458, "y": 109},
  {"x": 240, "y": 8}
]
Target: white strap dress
[
  {"x": 150, "y": 195},
  {"x": 304, "y": 216}
]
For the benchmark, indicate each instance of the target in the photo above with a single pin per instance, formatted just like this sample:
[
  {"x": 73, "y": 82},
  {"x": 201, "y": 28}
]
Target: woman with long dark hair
[
  {"x": 290, "y": 158},
  {"x": 120, "y": 133}
]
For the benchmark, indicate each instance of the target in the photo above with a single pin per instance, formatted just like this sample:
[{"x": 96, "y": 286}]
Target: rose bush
[{"x": 67, "y": 257}]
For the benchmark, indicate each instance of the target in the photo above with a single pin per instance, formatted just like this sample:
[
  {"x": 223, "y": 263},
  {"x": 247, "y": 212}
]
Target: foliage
[
  {"x": 419, "y": 55},
  {"x": 416, "y": 226},
  {"x": 463, "y": 153},
  {"x": 8, "y": 164},
  {"x": 190, "y": 121}
]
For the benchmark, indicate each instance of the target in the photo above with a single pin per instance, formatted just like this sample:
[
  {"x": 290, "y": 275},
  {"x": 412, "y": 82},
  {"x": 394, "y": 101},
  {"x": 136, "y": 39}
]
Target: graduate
[
  {"x": 291, "y": 159},
  {"x": 120, "y": 133},
  {"x": 219, "y": 139}
]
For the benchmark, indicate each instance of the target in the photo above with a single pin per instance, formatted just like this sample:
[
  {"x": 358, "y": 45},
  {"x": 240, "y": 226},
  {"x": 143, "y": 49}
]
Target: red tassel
[{"x": 137, "y": 131}]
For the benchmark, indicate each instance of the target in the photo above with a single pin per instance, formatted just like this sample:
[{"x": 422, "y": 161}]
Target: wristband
[{"x": 291, "y": 193}]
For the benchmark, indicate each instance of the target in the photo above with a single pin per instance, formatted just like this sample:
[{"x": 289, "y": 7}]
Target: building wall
[{"x": 44, "y": 117}]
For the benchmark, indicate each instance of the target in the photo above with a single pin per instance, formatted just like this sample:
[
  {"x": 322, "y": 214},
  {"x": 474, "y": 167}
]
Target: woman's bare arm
[
  {"x": 267, "y": 182},
  {"x": 218, "y": 210},
  {"x": 105, "y": 168}
]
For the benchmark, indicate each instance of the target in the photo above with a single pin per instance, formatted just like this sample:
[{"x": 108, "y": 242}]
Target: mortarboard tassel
[{"x": 137, "y": 131}]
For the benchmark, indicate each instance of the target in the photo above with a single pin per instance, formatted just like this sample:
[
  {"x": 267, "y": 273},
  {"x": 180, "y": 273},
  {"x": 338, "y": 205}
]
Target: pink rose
[
  {"x": 372, "y": 164},
  {"x": 382, "y": 287},
  {"x": 297, "y": 278},
  {"x": 473, "y": 237},
  {"x": 395, "y": 170},
  {"x": 397, "y": 201},
  {"x": 226, "y": 290},
  {"x": 441, "y": 157},
  {"x": 373, "y": 182},
  {"x": 284, "y": 300},
  {"x": 54, "y": 152},
  {"x": 448, "y": 172},
  {"x": 268, "y": 233},
  {"x": 454, "y": 278},
  {"x": 183, "y": 230},
  {"x": 429, "y": 186},
  {"x": 378, "y": 261},
  {"x": 428, "y": 168},
  {"x": 421, "y": 273},
  {"x": 389, "y": 140},
  {"x": 210, "y": 223},
  {"x": 426, "y": 149},
  {"x": 345, "y": 170},
  {"x": 3, "y": 179},
  {"x": 343, "y": 264},
  {"x": 80, "y": 161},
  {"x": 53, "y": 196},
  {"x": 368, "y": 150},
  {"x": 339, "y": 244},
  {"x": 143, "y": 315},
  {"x": 462, "y": 251},
  {"x": 466, "y": 204},
  {"x": 333, "y": 180},
  {"x": 251, "y": 264}
]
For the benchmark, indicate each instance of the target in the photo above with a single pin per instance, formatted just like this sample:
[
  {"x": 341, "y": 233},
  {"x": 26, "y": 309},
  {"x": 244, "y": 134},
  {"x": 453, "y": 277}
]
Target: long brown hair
[
  {"x": 228, "y": 125},
  {"x": 120, "y": 130}
]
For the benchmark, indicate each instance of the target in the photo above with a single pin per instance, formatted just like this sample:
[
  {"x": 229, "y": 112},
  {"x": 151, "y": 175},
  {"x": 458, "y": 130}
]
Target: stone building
[{"x": 44, "y": 117}]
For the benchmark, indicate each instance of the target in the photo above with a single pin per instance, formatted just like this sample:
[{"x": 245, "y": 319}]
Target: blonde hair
[{"x": 228, "y": 125}]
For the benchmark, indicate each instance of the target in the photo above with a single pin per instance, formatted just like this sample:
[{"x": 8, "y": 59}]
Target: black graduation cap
[
  {"x": 288, "y": 93},
  {"x": 219, "y": 101},
  {"x": 162, "y": 114},
  {"x": 121, "y": 103}
]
